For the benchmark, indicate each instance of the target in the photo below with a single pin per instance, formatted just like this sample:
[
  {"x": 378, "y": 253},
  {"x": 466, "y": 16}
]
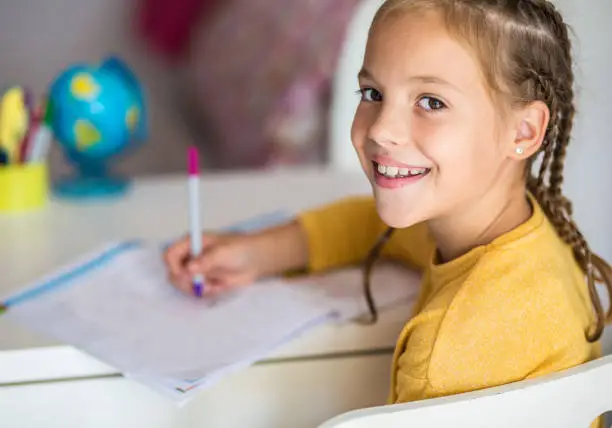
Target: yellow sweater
[{"x": 513, "y": 309}]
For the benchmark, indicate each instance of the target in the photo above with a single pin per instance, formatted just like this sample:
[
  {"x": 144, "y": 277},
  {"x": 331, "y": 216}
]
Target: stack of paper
[{"x": 117, "y": 305}]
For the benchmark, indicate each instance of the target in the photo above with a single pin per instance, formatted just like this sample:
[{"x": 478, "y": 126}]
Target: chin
[
  {"x": 402, "y": 206},
  {"x": 396, "y": 217}
]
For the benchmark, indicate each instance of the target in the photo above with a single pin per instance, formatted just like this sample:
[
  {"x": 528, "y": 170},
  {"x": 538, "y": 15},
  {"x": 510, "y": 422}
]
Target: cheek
[
  {"x": 360, "y": 126},
  {"x": 365, "y": 117},
  {"x": 459, "y": 148},
  {"x": 362, "y": 122},
  {"x": 441, "y": 140}
]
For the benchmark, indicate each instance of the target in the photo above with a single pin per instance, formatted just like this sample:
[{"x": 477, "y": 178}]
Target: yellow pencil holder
[{"x": 23, "y": 187}]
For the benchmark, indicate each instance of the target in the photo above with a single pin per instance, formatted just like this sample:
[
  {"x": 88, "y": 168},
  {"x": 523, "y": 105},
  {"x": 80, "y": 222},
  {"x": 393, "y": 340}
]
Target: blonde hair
[{"x": 525, "y": 53}]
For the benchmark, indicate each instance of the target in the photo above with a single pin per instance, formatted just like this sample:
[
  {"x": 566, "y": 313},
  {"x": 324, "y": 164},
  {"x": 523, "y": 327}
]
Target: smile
[
  {"x": 397, "y": 172},
  {"x": 391, "y": 176}
]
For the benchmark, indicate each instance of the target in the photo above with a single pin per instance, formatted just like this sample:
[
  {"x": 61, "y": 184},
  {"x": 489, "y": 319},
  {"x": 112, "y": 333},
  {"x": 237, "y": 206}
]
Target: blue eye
[
  {"x": 431, "y": 104},
  {"x": 370, "y": 95}
]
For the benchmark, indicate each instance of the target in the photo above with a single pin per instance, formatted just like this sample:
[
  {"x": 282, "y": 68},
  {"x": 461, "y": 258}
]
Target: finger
[
  {"x": 215, "y": 289},
  {"x": 227, "y": 280},
  {"x": 181, "y": 284},
  {"x": 216, "y": 281},
  {"x": 186, "y": 286},
  {"x": 209, "y": 239},
  {"x": 179, "y": 253},
  {"x": 212, "y": 259},
  {"x": 176, "y": 256}
]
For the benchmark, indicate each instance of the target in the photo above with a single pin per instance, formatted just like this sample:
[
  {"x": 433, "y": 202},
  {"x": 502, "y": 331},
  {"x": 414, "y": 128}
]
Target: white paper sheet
[{"x": 125, "y": 313}]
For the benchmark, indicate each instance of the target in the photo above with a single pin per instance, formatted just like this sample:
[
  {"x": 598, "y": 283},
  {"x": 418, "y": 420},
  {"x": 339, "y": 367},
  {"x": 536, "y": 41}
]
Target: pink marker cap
[{"x": 193, "y": 161}]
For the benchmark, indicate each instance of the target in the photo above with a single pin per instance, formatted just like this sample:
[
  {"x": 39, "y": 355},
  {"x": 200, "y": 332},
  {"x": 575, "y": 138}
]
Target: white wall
[
  {"x": 38, "y": 38},
  {"x": 589, "y": 173}
]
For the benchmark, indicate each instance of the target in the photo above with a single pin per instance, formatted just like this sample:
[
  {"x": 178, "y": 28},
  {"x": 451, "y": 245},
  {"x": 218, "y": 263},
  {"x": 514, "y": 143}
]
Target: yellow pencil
[{"x": 13, "y": 122}]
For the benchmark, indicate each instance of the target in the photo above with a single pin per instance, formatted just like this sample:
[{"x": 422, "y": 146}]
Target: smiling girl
[{"x": 458, "y": 99}]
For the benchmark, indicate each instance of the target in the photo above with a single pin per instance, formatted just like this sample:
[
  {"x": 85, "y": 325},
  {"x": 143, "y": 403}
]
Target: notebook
[{"x": 116, "y": 305}]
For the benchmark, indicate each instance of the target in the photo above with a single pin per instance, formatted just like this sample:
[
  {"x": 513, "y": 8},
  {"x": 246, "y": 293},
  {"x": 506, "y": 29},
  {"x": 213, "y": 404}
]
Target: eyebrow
[{"x": 365, "y": 74}]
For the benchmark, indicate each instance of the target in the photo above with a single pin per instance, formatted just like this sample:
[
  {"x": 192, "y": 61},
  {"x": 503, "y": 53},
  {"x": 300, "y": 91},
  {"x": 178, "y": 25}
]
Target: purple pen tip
[
  {"x": 193, "y": 162},
  {"x": 197, "y": 289}
]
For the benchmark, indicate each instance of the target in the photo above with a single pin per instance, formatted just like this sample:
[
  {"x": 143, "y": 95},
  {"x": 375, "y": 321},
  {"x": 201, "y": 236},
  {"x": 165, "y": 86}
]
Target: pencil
[{"x": 195, "y": 231}]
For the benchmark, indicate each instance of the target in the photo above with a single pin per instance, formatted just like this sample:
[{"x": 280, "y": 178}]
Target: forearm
[
  {"x": 336, "y": 235},
  {"x": 281, "y": 249}
]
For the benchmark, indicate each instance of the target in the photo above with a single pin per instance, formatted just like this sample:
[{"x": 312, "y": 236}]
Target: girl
[{"x": 458, "y": 99}]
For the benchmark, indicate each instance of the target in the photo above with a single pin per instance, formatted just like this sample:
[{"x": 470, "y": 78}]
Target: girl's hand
[
  {"x": 227, "y": 260},
  {"x": 232, "y": 260}
]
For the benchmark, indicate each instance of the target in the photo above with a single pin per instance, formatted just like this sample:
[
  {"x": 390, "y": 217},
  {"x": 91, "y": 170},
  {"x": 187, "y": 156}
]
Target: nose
[{"x": 391, "y": 127}]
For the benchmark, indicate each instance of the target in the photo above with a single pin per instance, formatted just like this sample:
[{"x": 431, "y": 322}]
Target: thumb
[
  {"x": 212, "y": 257},
  {"x": 209, "y": 239}
]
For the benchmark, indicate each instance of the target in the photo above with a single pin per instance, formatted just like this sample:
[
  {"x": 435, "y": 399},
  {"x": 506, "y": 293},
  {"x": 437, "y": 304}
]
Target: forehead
[{"x": 407, "y": 44}]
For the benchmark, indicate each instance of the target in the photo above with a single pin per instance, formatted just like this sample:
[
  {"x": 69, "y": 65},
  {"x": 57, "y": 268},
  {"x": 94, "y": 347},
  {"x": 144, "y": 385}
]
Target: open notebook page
[{"x": 125, "y": 313}]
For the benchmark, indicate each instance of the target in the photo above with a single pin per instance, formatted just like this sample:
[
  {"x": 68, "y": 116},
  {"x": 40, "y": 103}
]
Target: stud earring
[{"x": 519, "y": 150}]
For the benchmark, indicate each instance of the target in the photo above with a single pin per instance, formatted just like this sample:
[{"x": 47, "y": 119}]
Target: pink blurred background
[{"x": 247, "y": 81}]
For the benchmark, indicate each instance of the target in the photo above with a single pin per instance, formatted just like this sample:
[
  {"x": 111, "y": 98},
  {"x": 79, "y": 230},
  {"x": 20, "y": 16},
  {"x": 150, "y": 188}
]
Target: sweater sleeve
[{"x": 342, "y": 233}]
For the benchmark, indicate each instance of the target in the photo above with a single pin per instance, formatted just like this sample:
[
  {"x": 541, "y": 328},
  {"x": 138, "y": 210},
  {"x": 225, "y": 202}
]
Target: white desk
[{"x": 331, "y": 370}]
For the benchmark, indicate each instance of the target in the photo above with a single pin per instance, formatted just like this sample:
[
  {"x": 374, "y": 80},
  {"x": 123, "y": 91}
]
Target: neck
[{"x": 479, "y": 222}]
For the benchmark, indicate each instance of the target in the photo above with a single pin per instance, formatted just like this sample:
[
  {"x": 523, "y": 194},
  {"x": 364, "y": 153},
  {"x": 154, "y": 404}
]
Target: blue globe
[{"x": 96, "y": 113}]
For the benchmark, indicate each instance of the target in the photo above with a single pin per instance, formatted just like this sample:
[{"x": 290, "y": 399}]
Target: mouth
[
  {"x": 396, "y": 172},
  {"x": 394, "y": 176}
]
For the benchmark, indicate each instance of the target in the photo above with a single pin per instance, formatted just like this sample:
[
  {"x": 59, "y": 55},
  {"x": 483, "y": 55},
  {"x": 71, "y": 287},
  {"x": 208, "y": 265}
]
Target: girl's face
[{"x": 426, "y": 130}]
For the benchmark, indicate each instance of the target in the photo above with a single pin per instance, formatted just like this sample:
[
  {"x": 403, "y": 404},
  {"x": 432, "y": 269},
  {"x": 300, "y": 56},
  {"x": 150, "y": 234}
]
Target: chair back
[{"x": 573, "y": 398}]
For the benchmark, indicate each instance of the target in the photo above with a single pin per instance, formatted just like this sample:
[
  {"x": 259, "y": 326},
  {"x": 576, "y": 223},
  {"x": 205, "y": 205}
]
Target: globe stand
[{"x": 91, "y": 181}]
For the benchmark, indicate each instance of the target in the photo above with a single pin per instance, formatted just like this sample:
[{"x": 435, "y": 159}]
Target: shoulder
[
  {"x": 506, "y": 283},
  {"x": 512, "y": 315},
  {"x": 510, "y": 289}
]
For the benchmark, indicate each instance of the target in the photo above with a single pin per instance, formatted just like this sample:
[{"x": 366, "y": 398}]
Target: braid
[
  {"x": 558, "y": 95},
  {"x": 368, "y": 264}
]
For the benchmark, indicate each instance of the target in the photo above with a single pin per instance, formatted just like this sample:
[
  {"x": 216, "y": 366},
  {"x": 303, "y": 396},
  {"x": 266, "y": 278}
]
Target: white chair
[
  {"x": 569, "y": 399},
  {"x": 344, "y": 101}
]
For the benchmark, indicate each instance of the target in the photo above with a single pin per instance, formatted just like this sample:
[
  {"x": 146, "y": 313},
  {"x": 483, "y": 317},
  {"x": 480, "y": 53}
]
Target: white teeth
[
  {"x": 394, "y": 171},
  {"x": 391, "y": 171}
]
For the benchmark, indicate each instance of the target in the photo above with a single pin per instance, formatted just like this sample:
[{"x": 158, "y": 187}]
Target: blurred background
[{"x": 249, "y": 81}]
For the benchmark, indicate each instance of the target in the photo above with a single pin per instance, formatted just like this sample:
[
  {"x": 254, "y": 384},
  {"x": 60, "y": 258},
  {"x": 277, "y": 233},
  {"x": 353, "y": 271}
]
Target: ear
[{"x": 530, "y": 129}]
